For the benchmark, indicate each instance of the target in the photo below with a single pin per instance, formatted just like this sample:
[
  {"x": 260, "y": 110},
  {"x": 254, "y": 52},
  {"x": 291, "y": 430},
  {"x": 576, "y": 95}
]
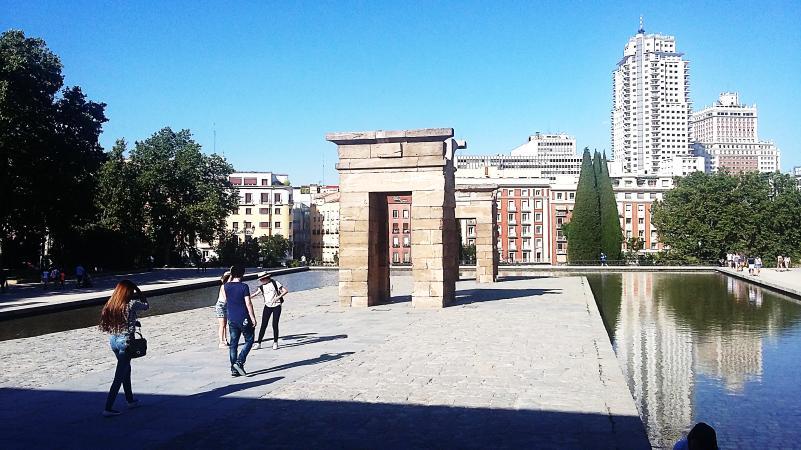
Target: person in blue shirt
[
  {"x": 241, "y": 319},
  {"x": 701, "y": 437}
]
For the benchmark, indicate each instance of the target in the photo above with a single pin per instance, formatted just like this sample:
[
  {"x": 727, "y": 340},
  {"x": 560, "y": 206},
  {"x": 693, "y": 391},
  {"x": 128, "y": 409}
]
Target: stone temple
[{"x": 374, "y": 165}]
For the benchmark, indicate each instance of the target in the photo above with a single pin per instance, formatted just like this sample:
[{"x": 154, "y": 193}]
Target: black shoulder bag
[{"x": 137, "y": 346}]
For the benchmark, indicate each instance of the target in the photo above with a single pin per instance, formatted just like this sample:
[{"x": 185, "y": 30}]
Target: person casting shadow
[{"x": 119, "y": 318}]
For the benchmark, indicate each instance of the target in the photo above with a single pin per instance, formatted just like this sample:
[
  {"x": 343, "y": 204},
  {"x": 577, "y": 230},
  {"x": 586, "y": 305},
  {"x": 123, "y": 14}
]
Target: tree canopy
[
  {"x": 707, "y": 215},
  {"x": 168, "y": 191},
  {"x": 49, "y": 150},
  {"x": 585, "y": 225}
]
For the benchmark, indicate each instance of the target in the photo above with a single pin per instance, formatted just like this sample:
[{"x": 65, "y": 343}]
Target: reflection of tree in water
[
  {"x": 608, "y": 291},
  {"x": 713, "y": 304}
]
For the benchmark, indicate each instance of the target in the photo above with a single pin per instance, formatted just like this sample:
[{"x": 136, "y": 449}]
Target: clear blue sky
[{"x": 276, "y": 76}]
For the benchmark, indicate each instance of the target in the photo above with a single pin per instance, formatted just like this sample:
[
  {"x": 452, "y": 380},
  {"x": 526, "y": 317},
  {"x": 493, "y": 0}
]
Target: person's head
[
  {"x": 237, "y": 271},
  {"x": 114, "y": 317},
  {"x": 702, "y": 437},
  {"x": 225, "y": 277},
  {"x": 264, "y": 277}
]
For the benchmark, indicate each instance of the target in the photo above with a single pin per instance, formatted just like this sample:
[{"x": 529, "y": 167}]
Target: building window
[
  {"x": 405, "y": 213},
  {"x": 538, "y": 229},
  {"x": 572, "y": 195},
  {"x": 471, "y": 231},
  {"x": 395, "y": 257},
  {"x": 247, "y": 210},
  {"x": 538, "y": 204},
  {"x": 249, "y": 181},
  {"x": 406, "y": 242},
  {"x": 247, "y": 225},
  {"x": 264, "y": 224},
  {"x": 510, "y": 192},
  {"x": 511, "y": 218},
  {"x": 395, "y": 228},
  {"x": 559, "y": 196},
  {"x": 236, "y": 181},
  {"x": 394, "y": 213},
  {"x": 277, "y": 224},
  {"x": 526, "y": 217},
  {"x": 264, "y": 210},
  {"x": 406, "y": 228},
  {"x": 235, "y": 225},
  {"x": 248, "y": 198},
  {"x": 538, "y": 217},
  {"x": 628, "y": 196},
  {"x": 524, "y": 193},
  {"x": 406, "y": 257},
  {"x": 277, "y": 198},
  {"x": 265, "y": 182},
  {"x": 395, "y": 242},
  {"x": 265, "y": 198},
  {"x": 277, "y": 211},
  {"x": 511, "y": 205}
]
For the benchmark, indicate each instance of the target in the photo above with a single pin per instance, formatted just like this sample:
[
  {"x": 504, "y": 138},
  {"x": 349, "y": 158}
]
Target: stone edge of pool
[
  {"x": 96, "y": 298},
  {"x": 776, "y": 287}
]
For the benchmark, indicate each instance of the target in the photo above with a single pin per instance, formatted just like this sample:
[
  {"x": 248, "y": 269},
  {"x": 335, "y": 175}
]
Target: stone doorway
[
  {"x": 372, "y": 165},
  {"x": 478, "y": 202}
]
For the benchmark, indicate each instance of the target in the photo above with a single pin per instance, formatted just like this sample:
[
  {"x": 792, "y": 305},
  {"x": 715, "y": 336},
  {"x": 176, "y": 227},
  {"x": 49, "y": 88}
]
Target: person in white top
[
  {"x": 273, "y": 293},
  {"x": 219, "y": 312}
]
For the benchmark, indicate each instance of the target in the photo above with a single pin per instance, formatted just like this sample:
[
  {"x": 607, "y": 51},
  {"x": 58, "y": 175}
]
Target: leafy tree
[
  {"x": 274, "y": 249},
  {"x": 707, "y": 215},
  {"x": 186, "y": 195},
  {"x": 611, "y": 233},
  {"x": 49, "y": 151},
  {"x": 584, "y": 230}
]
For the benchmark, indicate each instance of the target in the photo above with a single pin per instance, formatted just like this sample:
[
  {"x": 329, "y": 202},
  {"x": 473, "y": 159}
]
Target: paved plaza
[{"x": 519, "y": 363}]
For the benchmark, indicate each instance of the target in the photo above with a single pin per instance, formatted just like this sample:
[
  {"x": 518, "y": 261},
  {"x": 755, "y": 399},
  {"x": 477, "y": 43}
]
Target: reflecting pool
[{"x": 706, "y": 347}]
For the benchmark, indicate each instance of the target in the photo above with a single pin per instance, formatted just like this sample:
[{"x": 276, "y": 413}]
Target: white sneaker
[
  {"x": 275, "y": 345},
  {"x": 257, "y": 347}
]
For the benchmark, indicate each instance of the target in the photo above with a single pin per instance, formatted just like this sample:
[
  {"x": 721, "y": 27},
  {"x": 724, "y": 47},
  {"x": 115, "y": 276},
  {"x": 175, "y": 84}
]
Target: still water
[
  {"x": 162, "y": 304},
  {"x": 706, "y": 347}
]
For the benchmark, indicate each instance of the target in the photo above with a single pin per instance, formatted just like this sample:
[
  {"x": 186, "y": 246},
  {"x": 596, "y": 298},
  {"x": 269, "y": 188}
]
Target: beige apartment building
[
  {"x": 265, "y": 205},
  {"x": 324, "y": 218}
]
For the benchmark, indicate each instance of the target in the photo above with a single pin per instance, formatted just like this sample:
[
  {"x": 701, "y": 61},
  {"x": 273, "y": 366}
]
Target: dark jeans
[
  {"x": 122, "y": 376},
  {"x": 265, "y": 317},
  {"x": 234, "y": 331}
]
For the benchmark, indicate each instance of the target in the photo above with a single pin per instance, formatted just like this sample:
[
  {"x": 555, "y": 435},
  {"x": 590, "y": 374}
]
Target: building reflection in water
[{"x": 669, "y": 329}]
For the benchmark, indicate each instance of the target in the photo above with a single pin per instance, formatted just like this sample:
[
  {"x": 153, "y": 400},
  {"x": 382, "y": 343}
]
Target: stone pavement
[
  {"x": 781, "y": 280},
  {"x": 521, "y": 363},
  {"x": 24, "y": 299}
]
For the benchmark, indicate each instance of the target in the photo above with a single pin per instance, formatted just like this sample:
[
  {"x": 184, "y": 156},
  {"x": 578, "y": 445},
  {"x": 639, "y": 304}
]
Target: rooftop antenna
[{"x": 641, "y": 30}]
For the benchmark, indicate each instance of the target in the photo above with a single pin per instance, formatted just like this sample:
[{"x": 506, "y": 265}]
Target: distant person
[
  {"x": 603, "y": 259},
  {"x": 80, "y": 272},
  {"x": 701, "y": 437},
  {"x": 219, "y": 312},
  {"x": 45, "y": 278},
  {"x": 3, "y": 281},
  {"x": 241, "y": 319},
  {"x": 119, "y": 318},
  {"x": 757, "y": 265},
  {"x": 751, "y": 265},
  {"x": 303, "y": 260},
  {"x": 787, "y": 265},
  {"x": 273, "y": 293},
  {"x": 150, "y": 262},
  {"x": 62, "y": 277}
]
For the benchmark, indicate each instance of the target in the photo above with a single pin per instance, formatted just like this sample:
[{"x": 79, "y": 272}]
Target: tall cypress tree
[
  {"x": 583, "y": 243},
  {"x": 611, "y": 233}
]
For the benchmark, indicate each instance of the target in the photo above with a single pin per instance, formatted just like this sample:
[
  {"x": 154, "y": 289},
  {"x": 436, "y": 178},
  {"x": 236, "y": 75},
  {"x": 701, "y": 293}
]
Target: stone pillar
[
  {"x": 372, "y": 165},
  {"x": 478, "y": 202}
]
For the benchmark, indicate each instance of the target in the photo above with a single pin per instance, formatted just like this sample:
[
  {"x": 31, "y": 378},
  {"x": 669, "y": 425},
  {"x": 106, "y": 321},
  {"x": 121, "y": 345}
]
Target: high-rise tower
[{"x": 651, "y": 105}]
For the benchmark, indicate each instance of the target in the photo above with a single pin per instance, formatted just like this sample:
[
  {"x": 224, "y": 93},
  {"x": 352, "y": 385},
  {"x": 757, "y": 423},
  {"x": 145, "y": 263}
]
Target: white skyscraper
[{"x": 651, "y": 105}]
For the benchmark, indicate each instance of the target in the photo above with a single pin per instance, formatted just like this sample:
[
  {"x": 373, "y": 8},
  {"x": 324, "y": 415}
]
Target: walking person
[
  {"x": 45, "y": 278},
  {"x": 80, "y": 272},
  {"x": 3, "y": 280},
  {"x": 241, "y": 319},
  {"x": 220, "y": 313},
  {"x": 757, "y": 265},
  {"x": 273, "y": 293},
  {"x": 787, "y": 263},
  {"x": 119, "y": 319},
  {"x": 779, "y": 262}
]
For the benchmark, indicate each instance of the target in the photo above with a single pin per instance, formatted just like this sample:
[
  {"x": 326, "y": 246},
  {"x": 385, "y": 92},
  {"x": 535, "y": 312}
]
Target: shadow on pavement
[
  {"x": 309, "y": 340},
  {"x": 216, "y": 419},
  {"x": 325, "y": 357},
  {"x": 467, "y": 296}
]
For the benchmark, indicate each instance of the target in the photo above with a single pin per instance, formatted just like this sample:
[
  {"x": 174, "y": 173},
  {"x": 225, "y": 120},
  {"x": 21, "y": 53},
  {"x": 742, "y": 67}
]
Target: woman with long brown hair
[{"x": 119, "y": 319}]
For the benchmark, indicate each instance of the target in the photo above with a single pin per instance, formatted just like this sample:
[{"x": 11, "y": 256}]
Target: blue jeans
[
  {"x": 122, "y": 376},
  {"x": 234, "y": 331}
]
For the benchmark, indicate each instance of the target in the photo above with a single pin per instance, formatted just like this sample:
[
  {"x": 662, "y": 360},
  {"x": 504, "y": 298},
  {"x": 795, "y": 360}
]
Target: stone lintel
[
  {"x": 373, "y": 137},
  {"x": 476, "y": 187}
]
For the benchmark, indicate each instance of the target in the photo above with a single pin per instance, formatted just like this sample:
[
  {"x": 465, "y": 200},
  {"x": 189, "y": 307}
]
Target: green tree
[
  {"x": 186, "y": 194},
  {"x": 274, "y": 249},
  {"x": 49, "y": 151},
  {"x": 584, "y": 230},
  {"x": 707, "y": 215},
  {"x": 611, "y": 233}
]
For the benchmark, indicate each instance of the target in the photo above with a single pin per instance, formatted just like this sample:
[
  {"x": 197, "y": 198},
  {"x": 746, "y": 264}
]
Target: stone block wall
[
  {"x": 478, "y": 202},
  {"x": 373, "y": 165}
]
